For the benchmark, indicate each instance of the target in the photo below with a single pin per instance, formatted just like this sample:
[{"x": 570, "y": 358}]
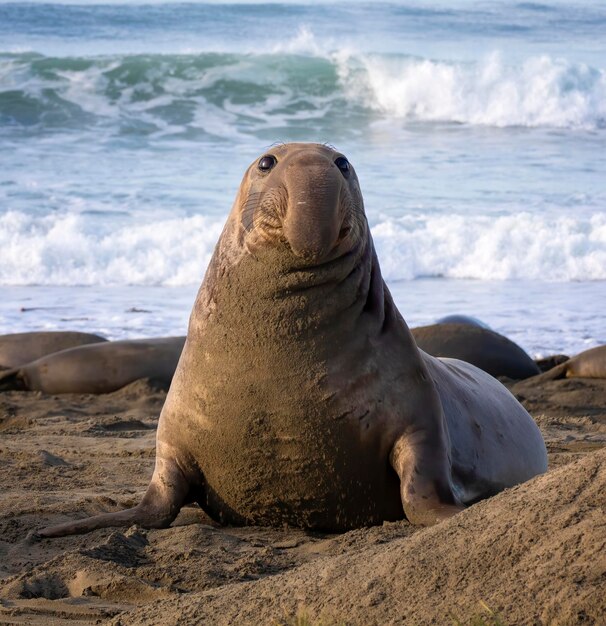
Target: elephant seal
[
  {"x": 462, "y": 319},
  {"x": 481, "y": 347},
  {"x": 588, "y": 364},
  {"x": 301, "y": 397},
  {"x": 18, "y": 349},
  {"x": 546, "y": 363},
  {"x": 98, "y": 368}
]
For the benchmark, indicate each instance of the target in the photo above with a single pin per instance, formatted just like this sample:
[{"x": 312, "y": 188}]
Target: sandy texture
[{"x": 534, "y": 554}]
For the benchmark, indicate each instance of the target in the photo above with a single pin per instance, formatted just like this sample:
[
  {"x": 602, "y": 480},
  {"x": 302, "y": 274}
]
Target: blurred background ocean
[{"x": 477, "y": 129}]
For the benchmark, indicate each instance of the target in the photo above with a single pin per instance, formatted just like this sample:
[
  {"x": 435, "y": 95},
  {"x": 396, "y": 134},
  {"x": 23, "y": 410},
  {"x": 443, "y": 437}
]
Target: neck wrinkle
[{"x": 264, "y": 294}]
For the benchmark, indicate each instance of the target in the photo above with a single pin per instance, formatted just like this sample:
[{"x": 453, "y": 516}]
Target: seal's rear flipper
[
  {"x": 426, "y": 488},
  {"x": 11, "y": 380},
  {"x": 555, "y": 373},
  {"x": 166, "y": 494}
]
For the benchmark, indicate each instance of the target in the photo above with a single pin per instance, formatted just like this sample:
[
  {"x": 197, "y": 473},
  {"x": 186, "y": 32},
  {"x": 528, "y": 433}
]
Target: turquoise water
[{"x": 477, "y": 130}]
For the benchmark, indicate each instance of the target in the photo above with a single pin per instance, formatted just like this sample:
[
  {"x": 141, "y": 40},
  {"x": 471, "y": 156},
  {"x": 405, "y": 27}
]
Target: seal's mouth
[{"x": 333, "y": 267}]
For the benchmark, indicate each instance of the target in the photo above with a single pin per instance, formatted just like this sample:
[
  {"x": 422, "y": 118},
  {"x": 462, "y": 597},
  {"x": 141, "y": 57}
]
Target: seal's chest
[{"x": 308, "y": 474}]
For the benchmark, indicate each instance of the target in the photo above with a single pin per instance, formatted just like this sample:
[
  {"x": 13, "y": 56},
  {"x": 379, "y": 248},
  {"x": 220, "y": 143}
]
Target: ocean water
[{"x": 477, "y": 129}]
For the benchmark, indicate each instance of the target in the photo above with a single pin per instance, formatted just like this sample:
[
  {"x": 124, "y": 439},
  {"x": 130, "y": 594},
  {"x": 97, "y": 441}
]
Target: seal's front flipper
[
  {"x": 428, "y": 494},
  {"x": 166, "y": 494}
]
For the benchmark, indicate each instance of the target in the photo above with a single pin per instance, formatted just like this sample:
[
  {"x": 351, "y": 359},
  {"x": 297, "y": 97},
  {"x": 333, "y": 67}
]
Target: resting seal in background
[
  {"x": 588, "y": 364},
  {"x": 301, "y": 397},
  {"x": 481, "y": 347},
  {"x": 98, "y": 368},
  {"x": 20, "y": 348},
  {"x": 546, "y": 363},
  {"x": 457, "y": 318}
]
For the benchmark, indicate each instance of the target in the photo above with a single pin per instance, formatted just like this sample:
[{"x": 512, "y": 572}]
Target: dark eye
[
  {"x": 343, "y": 164},
  {"x": 267, "y": 162}
]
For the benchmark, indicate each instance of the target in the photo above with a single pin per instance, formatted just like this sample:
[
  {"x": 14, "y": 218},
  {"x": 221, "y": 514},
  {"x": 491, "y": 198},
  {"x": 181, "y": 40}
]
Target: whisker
[{"x": 247, "y": 218}]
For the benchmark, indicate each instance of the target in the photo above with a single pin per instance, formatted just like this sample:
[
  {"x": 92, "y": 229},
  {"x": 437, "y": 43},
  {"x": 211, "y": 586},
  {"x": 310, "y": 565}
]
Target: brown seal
[
  {"x": 546, "y": 363},
  {"x": 481, "y": 347},
  {"x": 457, "y": 318},
  {"x": 18, "y": 349},
  {"x": 98, "y": 368},
  {"x": 301, "y": 397},
  {"x": 588, "y": 364}
]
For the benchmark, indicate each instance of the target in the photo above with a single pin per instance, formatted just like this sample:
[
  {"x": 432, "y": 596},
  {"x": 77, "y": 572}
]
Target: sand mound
[{"x": 535, "y": 554}]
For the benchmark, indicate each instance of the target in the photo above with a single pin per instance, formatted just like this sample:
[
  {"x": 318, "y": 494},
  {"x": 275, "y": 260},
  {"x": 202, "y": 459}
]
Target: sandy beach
[{"x": 533, "y": 554}]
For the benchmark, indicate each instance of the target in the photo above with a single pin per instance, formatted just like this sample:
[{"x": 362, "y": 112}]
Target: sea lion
[
  {"x": 98, "y": 368},
  {"x": 481, "y": 347},
  {"x": 18, "y": 349},
  {"x": 588, "y": 364},
  {"x": 462, "y": 319},
  {"x": 301, "y": 397}
]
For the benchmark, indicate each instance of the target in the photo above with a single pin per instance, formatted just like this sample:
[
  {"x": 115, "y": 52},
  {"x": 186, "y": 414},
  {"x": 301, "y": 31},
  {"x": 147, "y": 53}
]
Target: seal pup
[
  {"x": 588, "y": 364},
  {"x": 481, "y": 347},
  {"x": 98, "y": 368},
  {"x": 17, "y": 349},
  {"x": 301, "y": 397}
]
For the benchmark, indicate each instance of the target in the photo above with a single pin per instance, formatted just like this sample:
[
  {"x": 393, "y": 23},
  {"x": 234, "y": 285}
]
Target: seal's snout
[
  {"x": 314, "y": 221},
  {"x": 305, "y": 196}
]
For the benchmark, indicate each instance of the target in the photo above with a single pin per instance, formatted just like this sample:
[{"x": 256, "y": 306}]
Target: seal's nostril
[{"x": 344, "y": 232}]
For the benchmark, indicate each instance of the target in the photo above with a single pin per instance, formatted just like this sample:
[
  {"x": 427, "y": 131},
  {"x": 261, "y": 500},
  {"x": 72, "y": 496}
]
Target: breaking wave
[
  {"x": 64, "y": 250},
  {"x": 233, "y": 93}
]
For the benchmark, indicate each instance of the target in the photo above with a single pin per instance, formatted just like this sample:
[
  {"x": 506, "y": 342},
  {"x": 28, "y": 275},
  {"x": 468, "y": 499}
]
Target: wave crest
[
  {"x": 226, "y": 93},
  {"x": 65, "y": 250},
  {"x": 515, "y": 246},
  {"x": 542, "y": 92}
]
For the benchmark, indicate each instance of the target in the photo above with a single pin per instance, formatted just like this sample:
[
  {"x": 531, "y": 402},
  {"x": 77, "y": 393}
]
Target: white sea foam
[
  {"x": 515, "y": 246},
  {"x": 61, "y": 250},
  {"x": 64, "y": 250},
  {"x": 541, "y": 92},
  {"x": 304, "y": 42}
]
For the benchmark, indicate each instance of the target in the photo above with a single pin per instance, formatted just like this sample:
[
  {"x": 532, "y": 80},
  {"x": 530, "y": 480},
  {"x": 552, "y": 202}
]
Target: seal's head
[{"x": 304, "y": 195}]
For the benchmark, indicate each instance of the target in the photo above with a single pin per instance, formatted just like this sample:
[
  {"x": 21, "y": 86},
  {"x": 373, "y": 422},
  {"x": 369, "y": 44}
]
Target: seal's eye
[
  {"x": 343, "y": 164},
  {"x": 267, "y": 162}
]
